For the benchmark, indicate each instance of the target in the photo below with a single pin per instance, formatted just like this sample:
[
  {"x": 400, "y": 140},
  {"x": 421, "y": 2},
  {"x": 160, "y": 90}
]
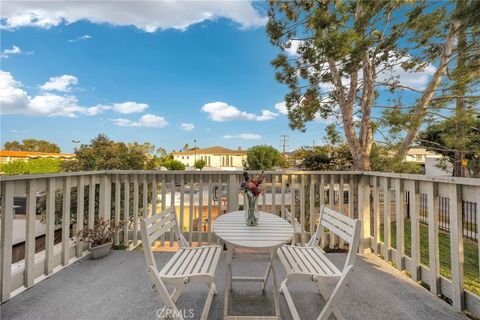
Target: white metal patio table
[{"x": 270, "y": 233}]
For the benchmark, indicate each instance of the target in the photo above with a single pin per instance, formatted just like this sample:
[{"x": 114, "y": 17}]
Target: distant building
[
  {"x": 429, "y": 161},
  {"x": 7, "y": 156},
  {"x": 420, "y": 155},
  {"x": 214, "y": 157}
]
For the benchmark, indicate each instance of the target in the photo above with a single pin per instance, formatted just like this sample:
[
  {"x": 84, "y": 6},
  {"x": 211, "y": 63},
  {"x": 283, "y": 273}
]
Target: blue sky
[
  {"x": 174, "y": 72},
  {"x": 162, "y": 72}
]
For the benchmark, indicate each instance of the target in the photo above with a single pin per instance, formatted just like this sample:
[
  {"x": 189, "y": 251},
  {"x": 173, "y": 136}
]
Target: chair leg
[
  {"x": 164, "y": 294},
  {"x": 288, "y": 297},
  {"x": 326, "y": 295},
  {"x": 329, "y": 305},
  {"x": 208, "y": 302},
  {"x": 214, "y": 287},
  {"x": 178, "y": 291},
  {"x": 267, "y": 274},
  {"x": 273, "y": 254},
  {"x": 228, "y": 280}
]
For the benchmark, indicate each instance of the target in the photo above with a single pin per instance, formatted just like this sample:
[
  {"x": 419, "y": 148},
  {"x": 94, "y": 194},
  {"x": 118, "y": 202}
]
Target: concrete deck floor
[{"x": 117, "y": 287}]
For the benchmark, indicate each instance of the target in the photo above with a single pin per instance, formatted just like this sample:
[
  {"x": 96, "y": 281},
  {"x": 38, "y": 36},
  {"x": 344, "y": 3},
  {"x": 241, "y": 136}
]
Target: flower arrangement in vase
[{"x": 252, "y": 188}]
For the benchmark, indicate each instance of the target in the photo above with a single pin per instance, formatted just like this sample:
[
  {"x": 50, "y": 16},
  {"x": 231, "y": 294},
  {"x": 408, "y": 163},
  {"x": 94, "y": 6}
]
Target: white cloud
[
  {"x": 123, "y": 107},
  {"x": 221, "y": 111},
  {"x": 15, "y": 100},
  {"x": 12, "y": 96},
  {"x": 62, "y": 83},
  {"x": 293, "y": 50},
  {"x": 415, "y": 79},
  {"x": 266, "y": 115},
  {"x": 79, "y": 38},
  {"x": 185, "y": 126},
  {"x": 55, "y": 105},
  {"x": 147, "y": 120},
  {"x": 148, "y": 16},
  {"x": 129, "y": 107},
  {"x": 281, "y": 107},
  {"x": 8, "y": 52},
  {"x": 244, "y": 136}
]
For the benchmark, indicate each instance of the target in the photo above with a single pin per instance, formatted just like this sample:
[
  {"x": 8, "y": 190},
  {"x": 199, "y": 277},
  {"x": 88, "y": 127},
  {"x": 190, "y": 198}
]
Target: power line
[{"x": 284, "y": 142}]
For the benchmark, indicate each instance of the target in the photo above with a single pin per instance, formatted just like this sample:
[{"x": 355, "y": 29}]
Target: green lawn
[{"x": 472, "y": 277}]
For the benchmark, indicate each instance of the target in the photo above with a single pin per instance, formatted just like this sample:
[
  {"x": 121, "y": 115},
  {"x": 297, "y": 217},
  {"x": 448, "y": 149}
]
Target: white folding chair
[
  {"x": 188, "y": 265},
  {"x": 310, "y": 263}
]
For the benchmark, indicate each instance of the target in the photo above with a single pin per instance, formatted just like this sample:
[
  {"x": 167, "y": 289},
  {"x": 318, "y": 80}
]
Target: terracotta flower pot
[{"x": 101, "y": 250}]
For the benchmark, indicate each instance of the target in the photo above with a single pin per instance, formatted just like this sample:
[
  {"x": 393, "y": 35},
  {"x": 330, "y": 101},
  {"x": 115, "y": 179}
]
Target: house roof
[
  {"x": 217, "y": 150},
  {"x": 31, "y": 154},
  {"x": 417, "y": 151}
]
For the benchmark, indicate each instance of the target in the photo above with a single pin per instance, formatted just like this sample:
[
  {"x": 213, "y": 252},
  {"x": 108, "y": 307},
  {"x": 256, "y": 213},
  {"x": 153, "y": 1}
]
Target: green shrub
[
  {"x": 174, "y": 165},
  {"x": 31, "y": 166},
  {"x": 199, "y": 164}
]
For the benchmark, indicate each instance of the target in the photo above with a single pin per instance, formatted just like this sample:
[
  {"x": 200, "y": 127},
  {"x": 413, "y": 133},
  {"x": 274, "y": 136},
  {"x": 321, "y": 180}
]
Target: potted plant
[{"x": 100, "y": 237}]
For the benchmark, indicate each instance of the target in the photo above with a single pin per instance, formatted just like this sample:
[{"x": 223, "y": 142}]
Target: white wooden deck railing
[{"x": 200, "y": 196}]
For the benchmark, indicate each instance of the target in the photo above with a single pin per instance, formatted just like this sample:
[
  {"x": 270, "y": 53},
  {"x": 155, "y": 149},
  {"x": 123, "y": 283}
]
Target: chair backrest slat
[
  {"x": 154, "y": 227},
  {"x": 338, "y": 231},
  {"x": 338, "y": 223},
  {"x": 345, "y": 227}
]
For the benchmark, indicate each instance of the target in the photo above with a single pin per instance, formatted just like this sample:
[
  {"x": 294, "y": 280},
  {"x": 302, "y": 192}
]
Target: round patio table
[{"x": 270, "y": 233}]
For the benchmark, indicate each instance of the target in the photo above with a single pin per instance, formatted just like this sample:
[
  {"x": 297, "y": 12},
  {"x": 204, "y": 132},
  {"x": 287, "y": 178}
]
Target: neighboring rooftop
[
  {"x": 217, "y": 150},
  {"x": 32, "y": 154},
  {"x": 421, "y": 151}
]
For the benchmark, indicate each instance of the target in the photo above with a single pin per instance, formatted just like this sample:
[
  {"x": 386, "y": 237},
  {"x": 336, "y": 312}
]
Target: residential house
[{"x": 214, "y": 157}]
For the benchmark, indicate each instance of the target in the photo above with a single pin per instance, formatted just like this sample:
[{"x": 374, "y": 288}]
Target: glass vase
[{"x": 251, "y": 211}]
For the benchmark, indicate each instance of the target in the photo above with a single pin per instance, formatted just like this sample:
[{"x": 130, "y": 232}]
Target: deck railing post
[
  {"x": 6, "y": 240},
  {"x": 105, "y": 203},
  {"x": 233, "y": 187},
  {"x": 456, "y": 246},
  {"x": 80, "y": 214},
  {"x": 433, "y": 245},
  {"x": 414, "y": 198},
  {"x": 364, "y": 213}
]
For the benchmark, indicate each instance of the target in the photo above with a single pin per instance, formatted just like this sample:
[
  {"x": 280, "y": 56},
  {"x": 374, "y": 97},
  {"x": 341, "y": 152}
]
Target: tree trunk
[
  {"x": 460, "y": 90},
  {"x": 426, "y": 98}
]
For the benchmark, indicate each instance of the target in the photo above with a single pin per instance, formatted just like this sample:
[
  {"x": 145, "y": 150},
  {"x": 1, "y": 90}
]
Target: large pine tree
[{"x": 348, "y": 58}]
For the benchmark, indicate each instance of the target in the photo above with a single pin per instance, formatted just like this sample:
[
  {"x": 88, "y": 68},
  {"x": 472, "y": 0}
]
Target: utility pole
[
  {"x": 194, "y": 153},
  {"x": 284, "y": 142}
]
